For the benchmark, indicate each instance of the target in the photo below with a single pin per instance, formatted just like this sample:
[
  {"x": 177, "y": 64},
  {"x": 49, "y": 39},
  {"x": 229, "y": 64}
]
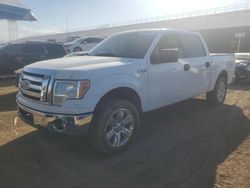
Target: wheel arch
[
  {"x": 223, "y": 73},
  {"x": 125, "y": 93}
]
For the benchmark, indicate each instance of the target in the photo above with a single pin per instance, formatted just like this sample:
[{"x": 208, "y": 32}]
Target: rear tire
[
  {"x": 115, "y": 126},
  {"x": 218, "y": 95}
]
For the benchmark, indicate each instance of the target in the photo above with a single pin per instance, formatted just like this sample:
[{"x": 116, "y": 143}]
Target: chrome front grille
[{"x": 34, "y": 86}]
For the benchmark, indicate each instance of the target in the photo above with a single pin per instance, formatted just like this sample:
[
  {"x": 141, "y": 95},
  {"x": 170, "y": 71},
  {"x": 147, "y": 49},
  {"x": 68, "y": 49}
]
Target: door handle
[
  {"x": 207, "y": 64},
  {"x": 186, "y": 67}
]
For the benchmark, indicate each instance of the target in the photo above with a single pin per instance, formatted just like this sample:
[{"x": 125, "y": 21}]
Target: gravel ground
[{"x": 189, "y": 144}]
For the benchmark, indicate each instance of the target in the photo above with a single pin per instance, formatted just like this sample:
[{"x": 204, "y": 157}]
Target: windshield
[
  {"x": 127, "y": 45},
  {"x": 78, "y": 40}
]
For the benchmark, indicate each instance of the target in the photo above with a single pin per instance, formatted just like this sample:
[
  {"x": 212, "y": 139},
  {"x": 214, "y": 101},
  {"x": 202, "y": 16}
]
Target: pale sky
[{"x": 53, "y": 14}]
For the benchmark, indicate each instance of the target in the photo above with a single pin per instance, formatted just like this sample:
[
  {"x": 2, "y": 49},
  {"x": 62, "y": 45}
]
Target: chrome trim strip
[
  {"x": 36, "y": 87},
  {"x": 44, "y": 90},
  {"x": 30, "y": 110},
  {"x": 32, "y": 94},
  {"x": 45, "y": 119},
  {"x": 41, "y": 86},
  {"x": 31, "y": 78},
  {"x": 50, "y": 89}
]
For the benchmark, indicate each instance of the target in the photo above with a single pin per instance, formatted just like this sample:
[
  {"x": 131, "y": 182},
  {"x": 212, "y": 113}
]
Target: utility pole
[
  {"x": 67, "y": 28},
  {"x": 239, "y": 36}
]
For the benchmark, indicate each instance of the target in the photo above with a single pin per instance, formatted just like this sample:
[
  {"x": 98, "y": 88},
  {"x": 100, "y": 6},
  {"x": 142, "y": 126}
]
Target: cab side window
[
  {"x": 193, "y": 46},
  {"x": 168, "y": 42}
]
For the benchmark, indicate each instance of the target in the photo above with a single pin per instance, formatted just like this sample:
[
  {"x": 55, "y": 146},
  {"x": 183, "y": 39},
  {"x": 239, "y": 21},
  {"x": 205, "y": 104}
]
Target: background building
[
  {"x": 12, "y": 11},
  {"x": 225, "y": 29}
]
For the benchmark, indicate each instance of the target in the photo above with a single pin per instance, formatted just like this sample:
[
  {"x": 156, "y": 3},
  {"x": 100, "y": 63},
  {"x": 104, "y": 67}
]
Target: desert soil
[{"x": 189, "y": 144}]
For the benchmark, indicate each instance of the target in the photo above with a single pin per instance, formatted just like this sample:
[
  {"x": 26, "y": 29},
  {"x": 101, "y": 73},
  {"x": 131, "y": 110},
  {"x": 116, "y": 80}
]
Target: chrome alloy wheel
[
  {"x": 221, "y": 92},
  {"x": 119, "y": 127}
]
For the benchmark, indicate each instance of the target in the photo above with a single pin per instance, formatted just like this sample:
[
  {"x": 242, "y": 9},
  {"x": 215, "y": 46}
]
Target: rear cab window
[{"x": 193, "y": 46}]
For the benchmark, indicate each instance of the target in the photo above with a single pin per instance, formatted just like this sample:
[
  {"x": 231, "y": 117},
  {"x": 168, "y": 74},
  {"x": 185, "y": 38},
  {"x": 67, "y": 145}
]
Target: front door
[{"x": 168, "y": 81}]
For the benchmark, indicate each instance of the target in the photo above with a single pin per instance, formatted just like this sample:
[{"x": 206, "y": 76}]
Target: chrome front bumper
[{"x": 55, "y": 122}]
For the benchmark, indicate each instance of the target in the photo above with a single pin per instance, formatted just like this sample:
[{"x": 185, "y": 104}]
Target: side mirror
[{"x": 165, "y": 56}]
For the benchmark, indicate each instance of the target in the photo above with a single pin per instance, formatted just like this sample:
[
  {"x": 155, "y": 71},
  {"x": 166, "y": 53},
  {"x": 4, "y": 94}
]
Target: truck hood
[{"x": 65, "y": 67}]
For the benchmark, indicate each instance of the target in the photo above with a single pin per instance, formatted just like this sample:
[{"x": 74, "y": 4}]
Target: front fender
[{"x": 102, "y": 86}]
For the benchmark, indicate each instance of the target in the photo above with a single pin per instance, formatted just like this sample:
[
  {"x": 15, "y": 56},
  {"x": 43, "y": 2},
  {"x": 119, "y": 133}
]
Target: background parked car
[
  {"x": 73, "y": 54},
  {"x": 242, "y": 67},
  {"x": 16, "y": 56},
  {"x": 82, "y": 44},
  {"x": 71, "y": 38}
]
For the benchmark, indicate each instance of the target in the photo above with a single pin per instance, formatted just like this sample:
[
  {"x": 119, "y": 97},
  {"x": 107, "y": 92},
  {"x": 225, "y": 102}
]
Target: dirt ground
[{"x": 189, "y": 144}]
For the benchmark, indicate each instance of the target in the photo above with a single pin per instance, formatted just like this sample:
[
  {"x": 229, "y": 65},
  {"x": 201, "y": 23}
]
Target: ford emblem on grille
[{"x": 26, "y": 84}]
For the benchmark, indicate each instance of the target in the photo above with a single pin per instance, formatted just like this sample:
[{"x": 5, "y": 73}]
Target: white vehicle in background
[
  {"x": 82, "y": 44},
  {"x": 129, "y": 73},
  {"x": 80, "y": 53}
]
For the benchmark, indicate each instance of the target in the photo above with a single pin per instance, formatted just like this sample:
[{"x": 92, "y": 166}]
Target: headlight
[{"x": 64, "y": 90}]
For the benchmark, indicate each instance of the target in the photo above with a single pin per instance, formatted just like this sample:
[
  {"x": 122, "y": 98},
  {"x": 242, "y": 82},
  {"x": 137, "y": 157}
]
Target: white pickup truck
[{"x": 127, "y": 74}]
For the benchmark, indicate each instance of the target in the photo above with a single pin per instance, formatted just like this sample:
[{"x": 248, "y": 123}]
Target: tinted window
[
  {"x": 17, "y": 49},
  {"x": 33, "y": 49},
  {"x": 127, "y": 45},
  {"x": 169, "y": 41},
  {"x": 193, "y": 46},
  {"x": 98, "y": 39},
  {"x": 55, "y": 50},
  {"x": 93, "y": 40},
  {"x": 6, "y": 50}
]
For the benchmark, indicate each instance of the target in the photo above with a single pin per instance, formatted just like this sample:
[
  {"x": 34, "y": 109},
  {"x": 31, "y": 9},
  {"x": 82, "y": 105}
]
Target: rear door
[{"x": 198, "y": 73}]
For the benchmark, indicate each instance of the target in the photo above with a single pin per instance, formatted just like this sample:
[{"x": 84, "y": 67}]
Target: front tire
[
  {"x": 218, "y": 95},
  {"x": 115, "y": 126}
]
